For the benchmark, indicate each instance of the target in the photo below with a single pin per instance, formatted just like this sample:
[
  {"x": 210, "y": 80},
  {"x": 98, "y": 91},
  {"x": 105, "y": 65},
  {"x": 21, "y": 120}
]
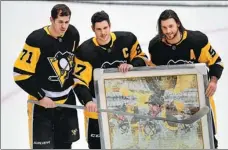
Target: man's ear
[
  {"x": 51, "y": 19},
  {"x": 92, "y": 27},
  {"x": 178, "y": 24},
  {"x": 110, "y": 25}
]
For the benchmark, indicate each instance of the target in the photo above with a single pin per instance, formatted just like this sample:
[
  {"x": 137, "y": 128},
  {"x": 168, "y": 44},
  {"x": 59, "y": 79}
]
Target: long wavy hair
[{"x": 167, "y": 14}]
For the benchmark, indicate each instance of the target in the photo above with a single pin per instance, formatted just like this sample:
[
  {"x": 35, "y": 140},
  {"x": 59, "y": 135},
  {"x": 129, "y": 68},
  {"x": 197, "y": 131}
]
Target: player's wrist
[
  {"x": 88, "y": 102},
  {"x": 214, "y": 79}
]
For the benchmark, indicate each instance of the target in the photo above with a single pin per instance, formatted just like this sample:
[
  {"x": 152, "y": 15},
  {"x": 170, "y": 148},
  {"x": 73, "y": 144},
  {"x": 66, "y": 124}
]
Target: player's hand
[
  {"x": 155, "y": 110},
  {"x": 212, "y": 86},
  {"x": 125, "y": 67},
  {"x": 120, "y": 117},
  {"x": 91, "y": 106},
  {"x": 47, "y": 103}
]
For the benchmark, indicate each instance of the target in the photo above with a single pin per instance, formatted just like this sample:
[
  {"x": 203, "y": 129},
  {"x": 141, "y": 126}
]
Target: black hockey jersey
[
  {"x": 124, "y": 48},
  {"x": 194, "y": 47},
  {"x": 45, "y": 65}
]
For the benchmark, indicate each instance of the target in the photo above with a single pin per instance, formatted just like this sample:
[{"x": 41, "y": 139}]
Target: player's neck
[
  {"x": 52, "y": 32},
  {"x": 100, "y": 42},
  {"x": 176, "y": 39}
]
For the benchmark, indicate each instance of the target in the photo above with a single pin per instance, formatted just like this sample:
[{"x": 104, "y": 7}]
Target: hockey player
[
  {"x": 106, "y": 50},
  {"x": 44, "y": 70},
  {"x": 176, "y": 45}
]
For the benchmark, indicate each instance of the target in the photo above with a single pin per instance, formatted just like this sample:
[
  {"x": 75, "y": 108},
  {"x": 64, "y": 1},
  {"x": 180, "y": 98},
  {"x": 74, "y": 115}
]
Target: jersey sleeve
[
  {"x": 25, "y": 67},
  {"x": 137, "y": 56},
  {"x": 151, "y": 48},
  {"x": 82, "y": 77},
  {"x": 209, "y": 56},
  {"x": 76, "y": 37}
]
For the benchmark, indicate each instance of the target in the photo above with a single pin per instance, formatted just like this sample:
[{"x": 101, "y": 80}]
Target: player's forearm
[
  {"x": 31, "y": 87},
  {"x": 27, "y": 81},
  {"x": 215, "y": 70},
  {"x": 138, "y": 61},
  {"x": 83, "y": 93}
]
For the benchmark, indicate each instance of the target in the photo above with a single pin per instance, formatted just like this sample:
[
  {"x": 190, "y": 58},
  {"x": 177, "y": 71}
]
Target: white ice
[{"x": 18, "y": 19}]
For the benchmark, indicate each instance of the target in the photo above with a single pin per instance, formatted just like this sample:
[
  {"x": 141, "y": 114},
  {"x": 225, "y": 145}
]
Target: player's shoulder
[
  {"x": 72, "y": 31},
  {"x": 35, "y": 38},
  {"x": 197, "y": 37},
  {"x": 72, "y": 28},
  {"x": 86, "y": 45},
  {"x": 85, "y": 49},
  {"x": 154, "y": 41},
  {"x": 125, "y": 34}
]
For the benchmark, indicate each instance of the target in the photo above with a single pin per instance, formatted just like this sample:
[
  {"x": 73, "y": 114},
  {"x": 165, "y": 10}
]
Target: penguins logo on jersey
[
  {"x": 172, "y": 62},
  {"x": 62, "y": 65},
  {"x": 113, "y": 64}
]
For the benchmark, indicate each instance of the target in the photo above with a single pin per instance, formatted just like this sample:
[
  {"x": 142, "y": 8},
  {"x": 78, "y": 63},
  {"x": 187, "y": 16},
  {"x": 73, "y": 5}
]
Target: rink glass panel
[{"x": 178, "y": 95}]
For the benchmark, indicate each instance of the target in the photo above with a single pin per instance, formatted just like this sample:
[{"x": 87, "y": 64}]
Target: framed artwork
[{"x": 175, "y": 92}]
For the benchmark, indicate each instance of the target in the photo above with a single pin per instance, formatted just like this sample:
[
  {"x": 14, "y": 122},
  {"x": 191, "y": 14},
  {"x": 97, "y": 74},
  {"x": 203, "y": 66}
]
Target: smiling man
[
  {"x": 176, "y": 45},
  {"x": 44, "y": 69},
  {"x": 106, "y": 50}
]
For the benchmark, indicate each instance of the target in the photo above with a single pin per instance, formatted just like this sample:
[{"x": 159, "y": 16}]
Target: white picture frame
[{"x": 109, "y": 85}]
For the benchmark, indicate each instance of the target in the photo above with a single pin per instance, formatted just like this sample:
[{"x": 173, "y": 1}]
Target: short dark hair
[
  {"x": 60, "y": 10},
  {"x": 167, "y": 14},
  {"x": 99, "y": 17}
]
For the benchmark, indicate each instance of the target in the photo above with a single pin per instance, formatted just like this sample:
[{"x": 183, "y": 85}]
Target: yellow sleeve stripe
[
  {"x": 205, "y": 56},
  {"x": 21, "y": 77},
  {"x": 221, "y": 64},
  {"x": 144, "y": 58},
  {"x": 92, "y": 115},
  {"x": 61, "y": 101},
  {"x": 28, "y": 59},
  {"x": 150, "y": 63},
  {"x": 79, "y": 82}
]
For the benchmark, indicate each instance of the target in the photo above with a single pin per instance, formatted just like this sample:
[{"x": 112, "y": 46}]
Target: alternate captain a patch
[{"x": 62, "y": 65}]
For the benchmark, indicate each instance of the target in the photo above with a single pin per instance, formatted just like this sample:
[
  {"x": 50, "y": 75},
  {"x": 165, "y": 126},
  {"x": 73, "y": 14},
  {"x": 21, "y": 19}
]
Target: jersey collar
[
  {"x": 184, "y": 36},
  {"x": 113, "y": 37}
]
